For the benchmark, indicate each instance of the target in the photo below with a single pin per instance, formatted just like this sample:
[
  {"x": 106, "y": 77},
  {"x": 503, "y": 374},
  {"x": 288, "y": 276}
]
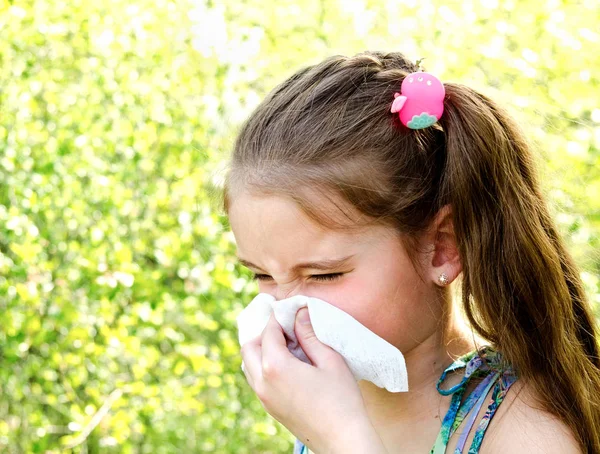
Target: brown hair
[{"x": 328, "y": 130}]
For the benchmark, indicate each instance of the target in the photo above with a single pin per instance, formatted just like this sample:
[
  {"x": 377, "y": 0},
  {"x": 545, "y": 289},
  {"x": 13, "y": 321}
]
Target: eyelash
[{"x": 317, "y": 277}]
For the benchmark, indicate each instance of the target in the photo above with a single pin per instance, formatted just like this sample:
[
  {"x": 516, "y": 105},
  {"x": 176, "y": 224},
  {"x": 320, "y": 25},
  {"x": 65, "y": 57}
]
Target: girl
[{"x": 332, "y": 193}]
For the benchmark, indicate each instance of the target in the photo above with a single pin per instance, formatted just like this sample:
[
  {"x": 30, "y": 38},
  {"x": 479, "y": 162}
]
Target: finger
[
  {"x": 247, "y": 375},
  {"x": 319, "y": 353},
  {"x": 252, "y": 360},
  {"x": 274, "y": 346}
]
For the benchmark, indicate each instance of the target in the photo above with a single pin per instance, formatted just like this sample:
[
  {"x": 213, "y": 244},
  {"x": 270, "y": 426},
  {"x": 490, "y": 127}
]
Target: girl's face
[{"x": 366, "y": 273}]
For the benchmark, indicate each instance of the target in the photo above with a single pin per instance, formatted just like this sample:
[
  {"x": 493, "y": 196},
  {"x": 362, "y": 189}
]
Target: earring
[{"x": 443, "y": 279}]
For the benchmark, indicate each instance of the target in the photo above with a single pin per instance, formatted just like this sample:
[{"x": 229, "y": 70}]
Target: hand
[{"x": 320, "y": 404}]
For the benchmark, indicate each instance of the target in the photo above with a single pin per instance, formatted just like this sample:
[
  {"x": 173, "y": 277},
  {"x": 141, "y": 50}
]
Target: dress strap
[
  {"x": 500, "y": 390},
  {"x": 299, "y": 447},
  {"x": 480, "y": 395},
  {"x": 486, "y": 363}
]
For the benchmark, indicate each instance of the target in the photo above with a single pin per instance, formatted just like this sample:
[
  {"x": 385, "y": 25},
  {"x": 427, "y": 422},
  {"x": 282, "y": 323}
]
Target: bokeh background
[{"x": 118, "y": 283}]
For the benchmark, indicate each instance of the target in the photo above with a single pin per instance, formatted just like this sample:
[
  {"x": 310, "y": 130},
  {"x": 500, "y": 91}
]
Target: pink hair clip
[{"x": 421, "y": 101}]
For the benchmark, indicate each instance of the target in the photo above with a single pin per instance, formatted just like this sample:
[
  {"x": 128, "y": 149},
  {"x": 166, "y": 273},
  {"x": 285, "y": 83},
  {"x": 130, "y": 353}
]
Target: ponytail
[{"x": 521, "y": 289}]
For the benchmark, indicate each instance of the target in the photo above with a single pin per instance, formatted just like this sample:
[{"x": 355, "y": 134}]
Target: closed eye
[
  {"x": 317, "y": 277},
  {"x": 327, "y": 277}
]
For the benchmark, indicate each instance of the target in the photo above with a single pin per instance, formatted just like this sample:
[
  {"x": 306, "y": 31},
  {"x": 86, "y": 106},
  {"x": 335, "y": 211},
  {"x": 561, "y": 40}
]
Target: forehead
[
  {"x": 273, "y": 226},
  {"x": 274, "y": 219}
]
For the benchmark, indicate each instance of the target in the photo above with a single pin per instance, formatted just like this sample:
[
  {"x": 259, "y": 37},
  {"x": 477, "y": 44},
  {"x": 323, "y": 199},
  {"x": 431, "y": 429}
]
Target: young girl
[{"x": 375, "y": 195}]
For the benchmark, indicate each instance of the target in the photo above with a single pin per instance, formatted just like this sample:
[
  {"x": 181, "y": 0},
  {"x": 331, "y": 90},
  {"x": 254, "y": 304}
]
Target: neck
[{"x": 425, "y": 364}]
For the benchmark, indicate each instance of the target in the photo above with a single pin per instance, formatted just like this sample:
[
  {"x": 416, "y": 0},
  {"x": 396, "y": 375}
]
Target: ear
[{"x": 443, "y": 256}]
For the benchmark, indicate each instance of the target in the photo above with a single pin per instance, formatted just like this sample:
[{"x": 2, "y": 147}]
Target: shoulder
[{"x": 520, "y": 425}]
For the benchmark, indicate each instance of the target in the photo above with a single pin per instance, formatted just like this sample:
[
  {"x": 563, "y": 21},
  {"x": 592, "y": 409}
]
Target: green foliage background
[{"x": 118, "y": 285}]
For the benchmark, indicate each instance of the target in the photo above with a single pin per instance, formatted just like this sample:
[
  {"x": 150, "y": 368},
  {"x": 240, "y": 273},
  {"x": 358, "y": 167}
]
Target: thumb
[{"x": 316, "y": 351}]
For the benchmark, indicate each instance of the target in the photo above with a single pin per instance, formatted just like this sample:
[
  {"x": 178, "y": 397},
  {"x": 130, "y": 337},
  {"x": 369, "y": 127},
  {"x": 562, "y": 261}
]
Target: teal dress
[{"x": 486, "y": 365}]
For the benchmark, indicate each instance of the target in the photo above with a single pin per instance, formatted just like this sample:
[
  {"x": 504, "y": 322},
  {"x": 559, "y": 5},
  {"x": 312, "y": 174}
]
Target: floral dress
[{"x": 485, "y": 364}]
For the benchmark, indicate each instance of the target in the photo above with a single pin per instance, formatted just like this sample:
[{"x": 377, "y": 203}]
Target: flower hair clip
[{"x": 420, "y": 102}]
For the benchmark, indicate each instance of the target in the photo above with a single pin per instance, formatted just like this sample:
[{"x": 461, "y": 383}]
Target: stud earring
[{"x": 443, "y": 279}]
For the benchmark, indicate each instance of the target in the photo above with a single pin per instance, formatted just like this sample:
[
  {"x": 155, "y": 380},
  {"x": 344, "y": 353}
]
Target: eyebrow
[{"x": 323, "y": 265}]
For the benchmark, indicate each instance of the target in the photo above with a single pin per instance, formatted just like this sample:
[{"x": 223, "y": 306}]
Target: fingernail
[{"x": 303, "y": 316}]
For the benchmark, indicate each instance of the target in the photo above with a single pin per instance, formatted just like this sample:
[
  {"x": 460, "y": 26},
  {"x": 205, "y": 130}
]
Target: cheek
[
  {"x": 365, "y": 297},
  {"x": 349, "y": 294},
  {"x": 392, "y": 305}
]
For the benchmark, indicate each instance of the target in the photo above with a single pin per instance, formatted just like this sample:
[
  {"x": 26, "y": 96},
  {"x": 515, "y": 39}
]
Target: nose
[{"x": 284, "y": 291}]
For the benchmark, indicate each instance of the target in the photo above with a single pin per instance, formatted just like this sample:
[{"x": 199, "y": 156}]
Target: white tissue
[{"x": 368, "y": 356}]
